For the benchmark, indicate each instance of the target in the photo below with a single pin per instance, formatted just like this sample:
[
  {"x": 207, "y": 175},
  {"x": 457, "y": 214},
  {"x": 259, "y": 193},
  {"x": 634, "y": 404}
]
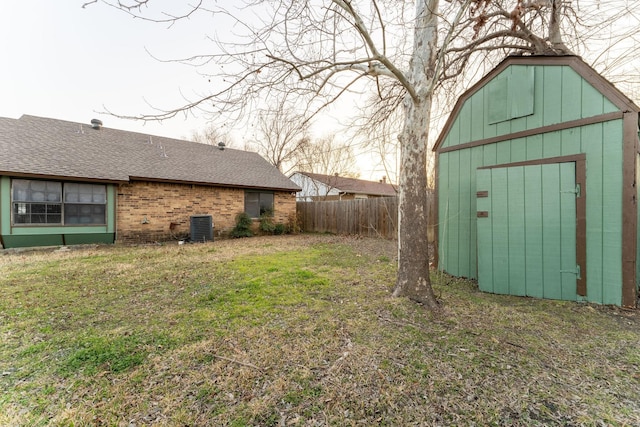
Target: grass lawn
[{"x": 295, "y": 330}]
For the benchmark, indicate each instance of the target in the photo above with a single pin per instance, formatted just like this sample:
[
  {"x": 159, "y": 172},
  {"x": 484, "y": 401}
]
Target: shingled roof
[
  {"x": 44, "y": 147},
  {"x": 353, "y": 185}
]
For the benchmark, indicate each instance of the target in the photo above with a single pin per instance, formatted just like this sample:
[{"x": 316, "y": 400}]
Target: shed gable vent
[
  {"x": 201, "y": 228},
  {"x": 511, "y": 94}
]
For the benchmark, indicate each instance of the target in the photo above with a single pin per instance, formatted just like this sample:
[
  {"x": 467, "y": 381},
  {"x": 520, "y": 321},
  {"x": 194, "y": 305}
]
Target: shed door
[{"x": 527, "y": 230}]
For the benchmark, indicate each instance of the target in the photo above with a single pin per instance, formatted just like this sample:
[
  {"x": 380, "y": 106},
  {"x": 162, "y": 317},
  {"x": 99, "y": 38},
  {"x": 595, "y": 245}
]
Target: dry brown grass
[{"x": 295, "y": 330}]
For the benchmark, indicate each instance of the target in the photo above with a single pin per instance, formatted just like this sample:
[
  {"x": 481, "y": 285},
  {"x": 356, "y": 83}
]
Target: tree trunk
[
  {"x": 413, "y": 247},
  {"x": 555, "y": 35}
]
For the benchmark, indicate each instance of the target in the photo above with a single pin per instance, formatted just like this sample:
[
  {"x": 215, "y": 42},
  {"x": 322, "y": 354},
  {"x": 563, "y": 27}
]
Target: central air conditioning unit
[{"x": 201, "y": 228}]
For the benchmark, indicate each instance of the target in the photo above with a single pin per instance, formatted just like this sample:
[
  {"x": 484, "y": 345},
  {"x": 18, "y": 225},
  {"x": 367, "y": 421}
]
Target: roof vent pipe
[
  {"x": 96, "y": 124},
  {"x": 221, "y": 146}
]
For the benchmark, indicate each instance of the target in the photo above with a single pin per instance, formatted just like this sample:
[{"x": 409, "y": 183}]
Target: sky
[
  {"x": 72, "y": 63},
  {"x": 63, "y": 61}
]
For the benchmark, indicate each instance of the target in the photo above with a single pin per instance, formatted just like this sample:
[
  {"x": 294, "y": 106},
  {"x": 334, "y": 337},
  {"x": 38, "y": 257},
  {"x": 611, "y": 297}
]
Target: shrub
[
  {"x": 266, "y": 222},
  {"x": 279, "y": 228},
  {"x": 243, "y": 226},
  {"x": 294, "y": 223}
]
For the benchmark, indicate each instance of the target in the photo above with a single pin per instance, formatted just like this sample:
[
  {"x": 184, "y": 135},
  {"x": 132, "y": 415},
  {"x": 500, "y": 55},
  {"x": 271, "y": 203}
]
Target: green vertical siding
[
  {"x": 612, "y": 218},
  {"x": 534, "y": 147},
  {"x": 551, "y": 144},
  {"x": 518, "y": 150},
  {"x": 568, "y": 267},
  {"x": 443, "y": 207},
  {"x": 551, "y": 231},
  {"x": 570, "y": 140},
  {"x": 485, "y": 232},
  {"x": 503, "y": 152},
  {"x": 604, "y": 215},
  {"x": 516, "y": 227},
  {"x": 592, "y": 144},
  {"x": 478, "y": 118},
  {"x": 498, "y": 217},
  {"x": 476, "y": 162},
  {"x": 526, "y": 243},
  {"x": 571, "y": 95},
  {"x": 465, "y": 118},
  {"x": 464, "y": 220},
  {"x": 560, "y": 94},
  {"x": 453, "y": 220},
  {"x": 552, "y": 95},
  {"x": 533, "y": 232}
]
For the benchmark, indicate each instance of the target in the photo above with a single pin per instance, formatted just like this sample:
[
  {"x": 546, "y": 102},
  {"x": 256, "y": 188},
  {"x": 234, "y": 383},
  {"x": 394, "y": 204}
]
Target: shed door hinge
[
  {"x": 575, "y": 191},
  {"x": 576, "y": 271}
]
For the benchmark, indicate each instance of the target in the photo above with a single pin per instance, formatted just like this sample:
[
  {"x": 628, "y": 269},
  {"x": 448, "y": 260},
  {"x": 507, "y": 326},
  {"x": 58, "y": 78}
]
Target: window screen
[
  {"x": 257, "y": 203},
  {"x": 37, "y": 202},
  {"x": 42, "y": 202},
  {"x": 84, "y": 203}
]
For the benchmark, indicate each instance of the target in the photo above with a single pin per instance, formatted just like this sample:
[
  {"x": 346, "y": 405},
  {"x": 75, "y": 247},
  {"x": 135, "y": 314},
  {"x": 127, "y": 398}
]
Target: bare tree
[
  {"x": 212, "y": 135},
  {"x": 318, "y": 50},
  {"x": 281, "y": 135},
  {"x": 601, "y": 32},
  {"x": 327, "y": 157}
]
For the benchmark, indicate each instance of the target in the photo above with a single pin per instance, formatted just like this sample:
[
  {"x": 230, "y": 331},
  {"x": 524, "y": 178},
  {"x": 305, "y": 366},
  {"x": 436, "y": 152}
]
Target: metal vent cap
[{"x": 96, "y": 123}]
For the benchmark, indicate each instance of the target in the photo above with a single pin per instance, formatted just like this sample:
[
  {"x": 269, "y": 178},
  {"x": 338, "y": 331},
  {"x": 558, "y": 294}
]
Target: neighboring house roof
[
  {"x": 38, "y": 146},
  {"x": 353, "y": 185}
]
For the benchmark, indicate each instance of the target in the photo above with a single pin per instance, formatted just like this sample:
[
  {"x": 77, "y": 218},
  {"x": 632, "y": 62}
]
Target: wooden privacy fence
[{"x": 373, "y": 217}]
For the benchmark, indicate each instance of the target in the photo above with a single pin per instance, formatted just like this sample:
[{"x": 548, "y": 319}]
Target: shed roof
[
  {"x": 604, "y": 86},
  {"x": 353, "y": 185},
  {"x": 38, "y": 146}
]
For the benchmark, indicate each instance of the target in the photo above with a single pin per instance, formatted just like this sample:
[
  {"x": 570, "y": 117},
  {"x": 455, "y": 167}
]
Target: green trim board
[
  {"x": 26, "y": 241},
  {"x": 5, "y": 205}
]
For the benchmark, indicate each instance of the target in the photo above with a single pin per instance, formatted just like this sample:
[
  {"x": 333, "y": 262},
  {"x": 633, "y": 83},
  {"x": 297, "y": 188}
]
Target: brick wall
[{"x": 153, "y": 211}]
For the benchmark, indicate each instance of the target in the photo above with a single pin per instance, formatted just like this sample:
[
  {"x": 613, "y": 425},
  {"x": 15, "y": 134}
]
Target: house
[
  {"x": 536, "y": 184},
  {"x": 317, "y": 187},
  {"x": 64, "y": 183}
]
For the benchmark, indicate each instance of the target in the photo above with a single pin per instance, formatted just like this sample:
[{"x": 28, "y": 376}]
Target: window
[
  {"x": 41, "y": 202},
  {"x": 37, "y": 202},
  {"x": 84, "y": 203},
  {"x": 257, "y": 203}
]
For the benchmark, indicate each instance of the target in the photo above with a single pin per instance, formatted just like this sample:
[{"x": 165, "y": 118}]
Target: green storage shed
[{"x": 536, "y": 184}]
